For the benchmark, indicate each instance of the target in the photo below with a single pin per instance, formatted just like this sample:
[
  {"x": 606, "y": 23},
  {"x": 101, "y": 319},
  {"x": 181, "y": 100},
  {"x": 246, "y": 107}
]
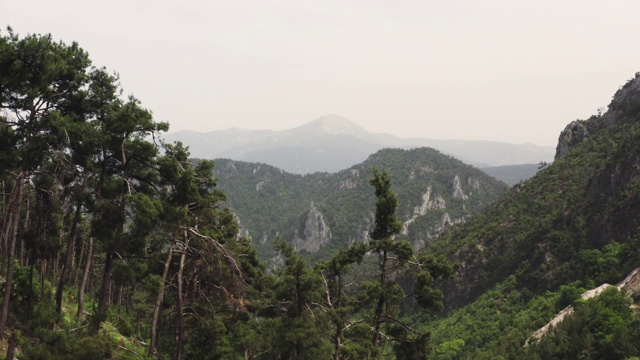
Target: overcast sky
[{"x": 515, "y": 71}]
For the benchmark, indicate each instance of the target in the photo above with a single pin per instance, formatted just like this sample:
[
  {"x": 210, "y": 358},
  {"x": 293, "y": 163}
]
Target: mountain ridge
[{"x": 332, "y": 143}]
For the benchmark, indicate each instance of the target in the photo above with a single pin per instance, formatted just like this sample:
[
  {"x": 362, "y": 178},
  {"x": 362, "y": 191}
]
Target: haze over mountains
[{"x": 332, "y": 143}]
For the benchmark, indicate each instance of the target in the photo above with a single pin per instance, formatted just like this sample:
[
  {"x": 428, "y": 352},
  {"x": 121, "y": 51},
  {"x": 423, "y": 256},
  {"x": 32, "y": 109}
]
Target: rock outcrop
[
  {"x": 625, "y": 101},
  {"x": 457, "y": 189},
  {"x": 313, "y": 233},
  {"x": 631, "y": 285},
  {"x": 573, "y": 134},
  {"x": 427, "y": 204}
]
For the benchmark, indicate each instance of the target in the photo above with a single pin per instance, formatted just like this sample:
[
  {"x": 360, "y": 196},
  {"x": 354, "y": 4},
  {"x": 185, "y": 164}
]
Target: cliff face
[
  {"x": 573, "y": 134},
  {"x": 625, "y": 102},
  {"x": 539, "y": 230},
  {"x": 313, "y": 232}
]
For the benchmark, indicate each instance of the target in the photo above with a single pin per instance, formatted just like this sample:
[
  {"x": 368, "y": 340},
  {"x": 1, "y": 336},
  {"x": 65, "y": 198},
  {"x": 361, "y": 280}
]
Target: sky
[{"x": 506, "y": 70}]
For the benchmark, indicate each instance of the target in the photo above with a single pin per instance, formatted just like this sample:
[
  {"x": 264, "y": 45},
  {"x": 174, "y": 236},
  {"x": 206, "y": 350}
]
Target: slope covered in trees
[
  {"x": 321, "y": 212},
  {"x": 570, "y": 228}
]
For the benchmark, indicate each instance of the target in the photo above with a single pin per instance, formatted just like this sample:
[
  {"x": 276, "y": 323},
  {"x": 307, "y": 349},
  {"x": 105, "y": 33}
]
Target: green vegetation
[
  {"x": 269, "y": 201},
  {"x": 112, "y": 247},
  {"x": 570, "y": 228}
]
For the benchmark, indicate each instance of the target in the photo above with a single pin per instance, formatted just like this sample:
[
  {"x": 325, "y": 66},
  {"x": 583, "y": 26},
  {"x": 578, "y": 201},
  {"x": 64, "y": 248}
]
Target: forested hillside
[
  {"x": 572, "y": 227},
  {"x": 321, "y": 212}
]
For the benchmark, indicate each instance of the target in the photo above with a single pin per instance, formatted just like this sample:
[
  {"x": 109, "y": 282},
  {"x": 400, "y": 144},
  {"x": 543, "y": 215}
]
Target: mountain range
[{"x": 332, "y": 143}]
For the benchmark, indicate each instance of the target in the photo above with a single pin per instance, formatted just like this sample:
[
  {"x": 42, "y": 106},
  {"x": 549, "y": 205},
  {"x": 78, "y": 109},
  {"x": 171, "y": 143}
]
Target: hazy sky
[{"x": 509, "y": 70}]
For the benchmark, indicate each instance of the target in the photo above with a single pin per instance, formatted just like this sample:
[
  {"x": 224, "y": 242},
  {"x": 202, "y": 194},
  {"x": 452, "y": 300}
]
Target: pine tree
[{"x": 394, "y": 255}]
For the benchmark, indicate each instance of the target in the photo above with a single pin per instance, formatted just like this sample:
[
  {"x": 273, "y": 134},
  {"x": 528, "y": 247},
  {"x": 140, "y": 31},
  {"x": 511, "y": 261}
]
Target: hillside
[
  {"x": 321, "y": 212},
  {"x": 332, "y": 143},
  {"x": 572, "y": 226}
]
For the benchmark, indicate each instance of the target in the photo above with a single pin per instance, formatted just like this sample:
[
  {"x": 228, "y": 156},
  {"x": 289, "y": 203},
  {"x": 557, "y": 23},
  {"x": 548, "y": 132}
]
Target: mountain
[
  {"x": 214, "y": 142},
  {"x": 332, "y": 143},
  {"x": 322, "y": 212},
  {"x": 512, "y": 174},
  {"x": 572, "y": 227}
]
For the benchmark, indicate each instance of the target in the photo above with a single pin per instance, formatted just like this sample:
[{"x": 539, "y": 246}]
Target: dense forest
[{"x": 115, "y": 245}]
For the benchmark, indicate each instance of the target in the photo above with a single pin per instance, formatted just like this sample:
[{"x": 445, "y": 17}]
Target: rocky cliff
[
  {"x": 313, "y": 232},
  {"x": 625, "y": 102}
]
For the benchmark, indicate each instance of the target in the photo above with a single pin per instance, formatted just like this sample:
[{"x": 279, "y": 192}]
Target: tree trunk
[
  {"x": 7, "y": 224},
  {"x": 108, "y": 263},
  {"x": 3, "y": 208},
  {"x": 377, "y": 316},
  {"x": 158, "y": 306},
  {"x": 30, "y": 294},
  {"x": 77, "y": 268},
  {"x": 43, "y": 274},
  {"x": 119, "y": 299},
  {"x": 181, "y": 331},
  {"x": 337, "y": 340},
  {"x": 11, "y": 252},
  {"x": 71, "y": 238},
  {"x": 83, "y": 284},
  {"x": 13, "y": 342},
  {"x": 56, "y": 262},
  {"x": 26, "y": 227}
]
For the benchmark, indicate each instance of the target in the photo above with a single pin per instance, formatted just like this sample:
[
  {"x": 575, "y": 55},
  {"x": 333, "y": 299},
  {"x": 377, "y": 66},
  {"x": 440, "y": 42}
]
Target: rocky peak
[
  {"x": 625, "y": 103},
  {"x": 313, "y": 233},
  {"x": 573, "y": 134},
  {"x": 331, "y": 124}
]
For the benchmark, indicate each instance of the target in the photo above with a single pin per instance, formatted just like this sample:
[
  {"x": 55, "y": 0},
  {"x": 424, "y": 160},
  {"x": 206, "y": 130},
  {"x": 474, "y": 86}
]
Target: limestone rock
[
  {"x": 314, "y": 232},
  {"x": 625, "y": 101},
  {"x": 457, "y": 189},
  {"x": 573, "y": 134}
]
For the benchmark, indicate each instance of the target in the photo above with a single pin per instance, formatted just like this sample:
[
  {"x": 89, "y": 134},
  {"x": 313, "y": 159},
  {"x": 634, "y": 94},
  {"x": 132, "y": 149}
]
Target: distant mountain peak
[{"x": 332, "y": 124}]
